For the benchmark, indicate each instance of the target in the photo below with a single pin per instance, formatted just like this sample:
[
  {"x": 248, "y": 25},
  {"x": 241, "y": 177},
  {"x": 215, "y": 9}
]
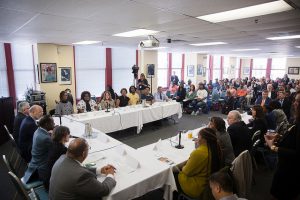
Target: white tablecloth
[
  {"x": 132, "y": 181},
  {"x": 130, "y": 116}
]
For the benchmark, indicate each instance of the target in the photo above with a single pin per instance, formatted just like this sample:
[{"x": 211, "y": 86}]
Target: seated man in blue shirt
[{"x": 160, "y": 96}]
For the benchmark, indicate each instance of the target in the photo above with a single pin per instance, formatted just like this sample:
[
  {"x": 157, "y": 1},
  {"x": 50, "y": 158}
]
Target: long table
[
  {"x": 127, "y": 117},
  {"x": 136, "y": 174}
]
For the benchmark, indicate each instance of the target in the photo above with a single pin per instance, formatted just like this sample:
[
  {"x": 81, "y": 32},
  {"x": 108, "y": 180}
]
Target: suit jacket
[
  {"x": 286, "y": 107},
  {"x": 17, "y": 123},
  {"x": 240, "y": 137},
  {"x": 69, "y": 180},
  {"x": 27, "y": 129},
  {"x": 259, "y": 100},
  {"x": 40, "y": 147}
]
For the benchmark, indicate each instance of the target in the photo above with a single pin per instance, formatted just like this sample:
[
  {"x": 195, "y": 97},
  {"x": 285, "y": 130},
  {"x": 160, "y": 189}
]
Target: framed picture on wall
[
  {"x": 150, "y": 70},
  {"x": 190, "y": 70},
  {"x": 65, "y": 76},
  {"x": 199, "y": 70},
  {"x": 293, "y": 70},
  {"x": 246, "y": 70},
  {"x": 48, "y": 72}
]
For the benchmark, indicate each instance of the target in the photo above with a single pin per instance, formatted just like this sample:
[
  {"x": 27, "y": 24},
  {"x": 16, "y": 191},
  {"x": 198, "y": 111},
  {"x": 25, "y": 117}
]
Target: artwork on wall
[
  {"x": 293, "y": 70},
  {"x": 48, "y": 72},
  {"x": 204, "y": 71},
  {"x": 190, "y": 70},
  {"x": 246, "y": 70},
  {"x": 65, "y": 76},
  {"x": 150, "y": 70},
  {"x": 199, "y": 69}
]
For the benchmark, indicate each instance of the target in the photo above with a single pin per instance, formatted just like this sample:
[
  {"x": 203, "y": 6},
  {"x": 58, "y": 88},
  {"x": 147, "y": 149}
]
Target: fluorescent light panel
[
  {"x": 246, "y": 49},
  {"x": 297, "y": 47},
  {"x": 208, "y": 44},
  {"x": 87, "y": 42},
  {"x": 135, "y": 33},
  {"x": 247, "y": 12},
  {"x": 288, "y": 37}
]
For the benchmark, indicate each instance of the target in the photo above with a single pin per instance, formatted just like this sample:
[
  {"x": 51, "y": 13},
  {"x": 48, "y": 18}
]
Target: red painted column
[
  {"x": 75, "y": 92},
  {"x": 251, "y": 68},
  {"x": 108, "y": 69},
  {"x": 222, "y": 67},
  {"x": 210, "y": 67},
  {"x": 182, "y": 67},
  {"x": 169, "y": 68},
  {"x": 240, "y": 69},
  {"x": 269, "y": 67},
  {"x": 137, "y": 57},
  {"x": 10, "y": 71}
]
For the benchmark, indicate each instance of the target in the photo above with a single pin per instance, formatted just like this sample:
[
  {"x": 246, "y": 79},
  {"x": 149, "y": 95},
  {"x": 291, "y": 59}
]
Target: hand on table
[{"x": 108, "y": 169}]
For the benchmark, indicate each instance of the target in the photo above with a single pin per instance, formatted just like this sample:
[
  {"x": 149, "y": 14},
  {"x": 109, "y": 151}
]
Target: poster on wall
[
  {"x": 199, "y": 69},
  {"x": 65, "y": 76},
  {"x": 293, "y": 70},
  {"x": 246, "y": 70},
  {"x": 190, "y": 70},
  {"x": 48, "y": 72},
  {"x": 150, "y": 70}
]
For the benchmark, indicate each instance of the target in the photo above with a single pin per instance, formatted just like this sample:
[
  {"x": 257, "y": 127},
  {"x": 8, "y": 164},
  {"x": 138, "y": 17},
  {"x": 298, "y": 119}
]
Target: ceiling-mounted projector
[{"x": 150, "y": 43}]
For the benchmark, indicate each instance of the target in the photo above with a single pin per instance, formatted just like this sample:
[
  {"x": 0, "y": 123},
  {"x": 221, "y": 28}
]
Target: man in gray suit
[{"x": 69, "y": 180}]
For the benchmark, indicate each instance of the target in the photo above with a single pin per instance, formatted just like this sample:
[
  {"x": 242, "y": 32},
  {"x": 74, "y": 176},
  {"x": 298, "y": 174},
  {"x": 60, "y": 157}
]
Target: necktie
[
  {"x": 160, "y": 96},
  {"x": 262, "y": 102}
]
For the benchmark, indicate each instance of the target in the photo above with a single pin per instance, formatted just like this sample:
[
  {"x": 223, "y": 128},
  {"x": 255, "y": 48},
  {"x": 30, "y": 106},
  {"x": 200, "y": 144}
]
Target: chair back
[
  {"x": 255, "y": 136},
  {"x": 242, "y": 173},
  {"x": 19, "y": 186},
  {"x": 8, "y": 164}
]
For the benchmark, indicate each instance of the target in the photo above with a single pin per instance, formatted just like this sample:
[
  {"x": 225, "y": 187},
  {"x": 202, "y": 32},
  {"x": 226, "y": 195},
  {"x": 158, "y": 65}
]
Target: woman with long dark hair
[
  {"x": 259, "y": 122},
  {"x": 285, "y": 184},
  {"x": 204, "y": 160}
]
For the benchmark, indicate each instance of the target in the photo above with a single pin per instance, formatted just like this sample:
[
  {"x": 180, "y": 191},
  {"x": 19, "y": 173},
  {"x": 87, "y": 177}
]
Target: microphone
[
  {"x": 107, "y": 107},
  {"x": 179, "y": 146}
]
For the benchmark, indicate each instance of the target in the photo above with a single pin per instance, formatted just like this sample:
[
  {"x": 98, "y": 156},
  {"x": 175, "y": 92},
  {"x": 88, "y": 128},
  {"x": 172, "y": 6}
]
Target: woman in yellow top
[
  {"x": 204, "y": 160},
  {"x": 134, "y": 98}
]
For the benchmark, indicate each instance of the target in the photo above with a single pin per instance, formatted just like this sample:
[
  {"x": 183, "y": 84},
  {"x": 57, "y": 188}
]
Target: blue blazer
[
  {"x": 259, "y": 100},
  {"x": 27, "y": 129},
  {"x": 40, "y": 148}
]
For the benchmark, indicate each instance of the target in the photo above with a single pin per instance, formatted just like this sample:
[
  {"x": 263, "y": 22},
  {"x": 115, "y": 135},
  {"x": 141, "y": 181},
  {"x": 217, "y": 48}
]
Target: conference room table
[
  {"x": 135, "y": 174},
  {"x": 130, "y": 116}
]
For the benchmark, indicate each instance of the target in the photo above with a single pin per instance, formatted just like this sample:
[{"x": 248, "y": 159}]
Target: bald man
[
  {"x": 70, "y": 180},
  {"x": 239, "y": 133},
  {"x": 27, "y": 129}
]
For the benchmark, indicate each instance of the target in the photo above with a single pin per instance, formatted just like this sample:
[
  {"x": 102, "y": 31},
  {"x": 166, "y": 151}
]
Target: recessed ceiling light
[
  {"x": 247, "y": 12},
  {"x": 86, "y": 42},
  {"x": 137, "y": 32},
  {"x": 297, "y": 47},
  {"x": 246, "y": 49},
  {"x": 288, "y": 37},
  {"x": 208, "y": 44}
]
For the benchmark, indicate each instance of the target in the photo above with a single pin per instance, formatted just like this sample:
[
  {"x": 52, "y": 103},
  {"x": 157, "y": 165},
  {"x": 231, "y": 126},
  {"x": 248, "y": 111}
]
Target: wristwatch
[{"x": 274, "y": 148}]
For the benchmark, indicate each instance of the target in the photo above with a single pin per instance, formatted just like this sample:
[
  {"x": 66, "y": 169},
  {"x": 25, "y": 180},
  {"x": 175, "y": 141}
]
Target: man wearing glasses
[{"x": 70, "y": 180}]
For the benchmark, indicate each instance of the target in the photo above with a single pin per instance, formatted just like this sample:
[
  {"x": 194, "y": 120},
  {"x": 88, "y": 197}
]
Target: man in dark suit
[
  {"x": 263, "y": 100},
  {"x": 27, "y": 129},
  {"x": 174, "y": 78},
  {"x": 69, "y": 180},
  {"x": 285, "y": 104},
  {"x": 23, "y": 111},
  {"x": 239, "y": 133},
  {"x": 41, "y": 145}
]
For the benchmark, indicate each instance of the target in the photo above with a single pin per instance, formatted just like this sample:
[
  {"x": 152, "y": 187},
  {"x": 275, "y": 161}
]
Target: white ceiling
[{"x": 69, "y": 21}]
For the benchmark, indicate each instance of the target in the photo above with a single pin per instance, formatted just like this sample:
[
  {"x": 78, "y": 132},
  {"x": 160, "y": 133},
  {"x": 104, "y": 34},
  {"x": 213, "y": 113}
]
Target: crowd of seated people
[{"x": 42, "y": 145}]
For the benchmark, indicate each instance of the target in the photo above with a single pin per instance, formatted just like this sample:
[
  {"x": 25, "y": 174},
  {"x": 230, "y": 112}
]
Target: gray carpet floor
[{"x": 151, "y": 133}]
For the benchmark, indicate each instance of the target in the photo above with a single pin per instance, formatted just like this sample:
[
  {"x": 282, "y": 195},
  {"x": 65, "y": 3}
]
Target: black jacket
[
  {"x": 240, "y": 137},
  {"x": 17, "y": 123}
]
